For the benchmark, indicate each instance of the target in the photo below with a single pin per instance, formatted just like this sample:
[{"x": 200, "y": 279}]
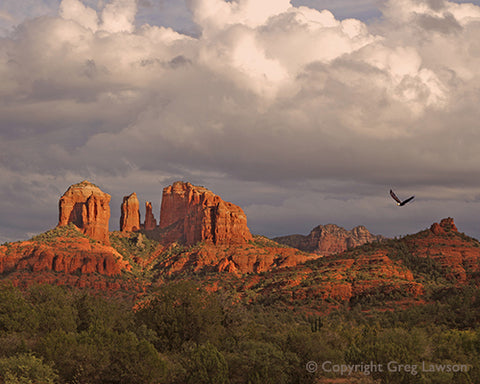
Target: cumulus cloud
[
  {"x": 119, "y": 16},
  {"x": 77, "y": 11},
  {"x": 268, "y": 97}
]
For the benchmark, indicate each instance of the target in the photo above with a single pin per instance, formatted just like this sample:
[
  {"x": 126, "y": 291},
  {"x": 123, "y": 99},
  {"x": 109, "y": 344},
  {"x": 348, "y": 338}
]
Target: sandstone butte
[
  {"x": 191, "y": 214},
  {"x": 330, "y": 239},
  {"x": 130, "y": 214},
  {"x": 87, "y": 207}
]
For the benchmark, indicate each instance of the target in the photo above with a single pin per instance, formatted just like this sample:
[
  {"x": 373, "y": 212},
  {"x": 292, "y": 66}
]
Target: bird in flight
[{"x": 400, "y": 202}]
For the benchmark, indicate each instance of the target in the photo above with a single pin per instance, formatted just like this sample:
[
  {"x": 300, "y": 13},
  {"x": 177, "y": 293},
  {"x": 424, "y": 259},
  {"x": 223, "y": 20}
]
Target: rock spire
[{"x": 130, "y": 217}]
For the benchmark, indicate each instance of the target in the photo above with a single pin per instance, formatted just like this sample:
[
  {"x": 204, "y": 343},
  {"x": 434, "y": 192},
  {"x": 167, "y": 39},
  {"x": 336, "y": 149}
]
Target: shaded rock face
[
  {"x": 190, "y": 214},
  {"x": 86, "y": 206},
  {"x": 150, "y": 221},
  {"x": 130, "y": 217},
  {"x": 330, "y": 239}
]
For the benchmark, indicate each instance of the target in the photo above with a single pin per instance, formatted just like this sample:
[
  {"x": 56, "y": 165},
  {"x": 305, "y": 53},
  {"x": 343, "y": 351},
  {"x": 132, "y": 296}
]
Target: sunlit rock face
[
  {"x": 130, "y": 217},
  {"x": 191, "y": 214},
  {"x": 86, "y": 206}
]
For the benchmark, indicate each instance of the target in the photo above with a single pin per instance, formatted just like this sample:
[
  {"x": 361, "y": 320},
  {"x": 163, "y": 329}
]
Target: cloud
[
  {"x": 75, "y": 10},
  {"x": 360, "y": 9},
  {"x": 268, "y": 97},
  {"x": 408, "y": 10},
  {"x": 218, "y": 14},
  {"x": 13, "y": 13},
  {"x": 119, "y": 16},
  {"x": 5, "y": 16}
]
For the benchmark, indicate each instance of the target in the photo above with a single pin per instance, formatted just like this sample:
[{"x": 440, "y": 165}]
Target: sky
[{"x": 302, "y": 112}]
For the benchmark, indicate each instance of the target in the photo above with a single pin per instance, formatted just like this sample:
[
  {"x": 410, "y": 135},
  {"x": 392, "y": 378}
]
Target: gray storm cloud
[{"x": 299, "y": 117}]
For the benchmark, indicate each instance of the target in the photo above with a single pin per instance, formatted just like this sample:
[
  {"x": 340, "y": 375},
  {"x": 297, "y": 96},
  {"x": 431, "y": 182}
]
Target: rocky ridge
[
  {"x": 388, "y": 273},
  {"x": 456, "y": 253},
  {"x": 257, "y": 256},
  {"x": 330, "y": 239},
  {"x": 63, "y": 255}
]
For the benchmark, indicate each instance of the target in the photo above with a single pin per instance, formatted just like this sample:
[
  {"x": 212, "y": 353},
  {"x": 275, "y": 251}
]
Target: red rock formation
[
  {"x": 330, "y": 239},
  {"x": 458, "y": 254},
  {"x": 130, "y": 217},
  {"x": 260, "y": 256},
  {"x": 446, "y": 225},
  {"x": 150, "y": 221},
  {"x": 356, "y": 274},
  {"x": 190, "y": 214},
  {"x": 338, "y": 279},
  {"x": 65, "y": 255},
  {"x": 86, "y": 206}
]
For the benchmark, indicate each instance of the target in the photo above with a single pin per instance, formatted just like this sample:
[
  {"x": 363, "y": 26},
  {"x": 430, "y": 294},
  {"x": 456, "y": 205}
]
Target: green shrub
[{"x": 26, "y": 368}]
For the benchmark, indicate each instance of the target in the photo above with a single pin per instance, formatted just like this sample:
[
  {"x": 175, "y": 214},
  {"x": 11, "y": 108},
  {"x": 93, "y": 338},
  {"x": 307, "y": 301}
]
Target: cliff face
[
  {"x": 86, "y": 206},
  {"x": 190, "y": 214},
  {"x": 130, "y": 217},
  {"x": 330, "y": 239}
]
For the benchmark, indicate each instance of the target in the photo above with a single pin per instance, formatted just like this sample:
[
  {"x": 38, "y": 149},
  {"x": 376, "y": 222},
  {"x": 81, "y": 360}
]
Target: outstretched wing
[
  {"x": 395, "y": 197},
  {"x": 406, "y": 201}
]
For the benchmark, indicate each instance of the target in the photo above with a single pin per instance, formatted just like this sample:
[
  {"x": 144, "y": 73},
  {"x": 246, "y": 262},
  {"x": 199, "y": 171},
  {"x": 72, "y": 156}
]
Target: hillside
[
  {"x": 64, "y": 256},
  {"x": 385, "y": 274}
]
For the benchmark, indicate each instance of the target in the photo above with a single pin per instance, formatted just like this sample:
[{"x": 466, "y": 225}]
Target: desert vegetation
[{"x": 180, "y": 333}]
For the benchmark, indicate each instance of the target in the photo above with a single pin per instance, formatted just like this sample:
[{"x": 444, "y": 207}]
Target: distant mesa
[
  {"x": 88, "y": 208},
  {"x": 330, "y": 239}
]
